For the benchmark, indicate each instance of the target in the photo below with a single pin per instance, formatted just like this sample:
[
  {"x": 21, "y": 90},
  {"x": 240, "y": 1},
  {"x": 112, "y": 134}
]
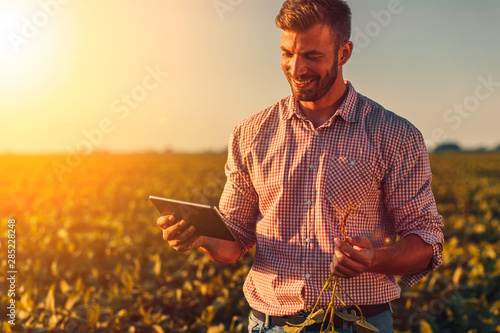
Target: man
[{"x": 294, "y": 170}]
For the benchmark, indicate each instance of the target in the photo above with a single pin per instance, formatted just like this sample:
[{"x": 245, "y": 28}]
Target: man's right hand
[{"x": 179, "y": 234}]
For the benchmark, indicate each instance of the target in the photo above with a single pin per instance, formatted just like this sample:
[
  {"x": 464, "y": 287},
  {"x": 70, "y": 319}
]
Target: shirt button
[
  {"x": 311, "y": 166},
  {"x": 309, "y": 202},
  {"x": 316, "y": 133},
  {"x": 307, "y": 276},
  {"x": 309, "y": 240},
  {"x": 352, "y": 162}
]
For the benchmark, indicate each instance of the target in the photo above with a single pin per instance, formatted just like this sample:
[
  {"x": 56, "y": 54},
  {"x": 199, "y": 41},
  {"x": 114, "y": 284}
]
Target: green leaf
[
  {"x": 93, "y": 314},
  {"x": 308, "y": 321},
  {"x": 216, "y": 329},
  {"x": 157, "y": 265},
  {"x": 317, "y": 316},
  {"x": 362, "y": 322},
  {"x": 121, "y": 314},
  {"x": 50, "y": 302},
  {"x": 337, "y": 294},
  {"x": 71, "y": 301},
  {"x": 158, "y": 329},
  {"x": 208, "y": 313},
  {"x": 52, "y": 322},
  {"x": 6, "y": 327},
  {"x": 425, "y": 327},
  {"x": 347, "y": 316},
  {"x": 329, "y": 287},
  {"x": 292, "y": 329},
  {"x": 64, "y": 286},
  {"x": 53, "y": 268}
]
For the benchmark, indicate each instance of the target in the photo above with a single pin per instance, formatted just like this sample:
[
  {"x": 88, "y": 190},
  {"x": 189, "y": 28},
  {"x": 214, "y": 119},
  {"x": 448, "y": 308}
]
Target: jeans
[{"x": 382, "y": 321}]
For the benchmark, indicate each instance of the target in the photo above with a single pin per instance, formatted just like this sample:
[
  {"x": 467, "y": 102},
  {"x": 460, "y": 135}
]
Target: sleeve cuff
[{"x": 437, "y": 254}]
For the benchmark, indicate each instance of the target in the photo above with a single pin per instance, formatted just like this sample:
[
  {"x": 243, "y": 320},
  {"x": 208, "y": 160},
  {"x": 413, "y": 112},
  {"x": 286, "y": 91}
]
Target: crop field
[{"x": 89, "y": 257}]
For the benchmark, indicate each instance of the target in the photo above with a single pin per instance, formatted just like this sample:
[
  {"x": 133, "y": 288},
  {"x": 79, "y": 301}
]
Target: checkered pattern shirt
[{"x": 282, "y": 173}]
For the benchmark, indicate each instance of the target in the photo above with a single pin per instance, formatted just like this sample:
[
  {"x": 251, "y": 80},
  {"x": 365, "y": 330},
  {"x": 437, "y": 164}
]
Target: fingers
[
  {"x": 192, "y": 242},
  {"x": 343, "y": 247},
  {"x": 173, "y": 229},
  {"x": 180, "y": 231},
  {"x": 166, "y": 221},
  {"x": 180, "y": 235},
  {"x": 359, "y": 242},
  {"x": 343, "y": 265},
  {"x": 343, "y": 271},
  {"x": 353, "y": 257}
]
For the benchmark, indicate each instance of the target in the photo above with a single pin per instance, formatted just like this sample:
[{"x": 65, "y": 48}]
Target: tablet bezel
[{"x": 206, "y": 218}]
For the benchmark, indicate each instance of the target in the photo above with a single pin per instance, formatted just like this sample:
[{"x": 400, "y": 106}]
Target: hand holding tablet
[{"x": 205, "y": 218}]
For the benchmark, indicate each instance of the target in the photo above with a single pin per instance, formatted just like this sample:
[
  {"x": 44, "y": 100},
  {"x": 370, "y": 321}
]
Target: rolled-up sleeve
[
  {"x": 239, "y": 201},
  {"x": 410, "y": 201}
]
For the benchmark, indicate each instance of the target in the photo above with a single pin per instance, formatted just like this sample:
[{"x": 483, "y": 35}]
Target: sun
[
  {"x": 31, "y": 47},
  {"x": 9, "y": 20}
]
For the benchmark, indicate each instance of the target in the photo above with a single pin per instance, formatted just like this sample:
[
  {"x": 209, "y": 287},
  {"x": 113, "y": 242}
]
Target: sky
[{"x": 151, "y": 75}]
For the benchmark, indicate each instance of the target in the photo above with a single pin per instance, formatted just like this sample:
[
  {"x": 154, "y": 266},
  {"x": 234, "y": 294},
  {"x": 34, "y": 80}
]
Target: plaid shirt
[{"x": 282, "y": 173}]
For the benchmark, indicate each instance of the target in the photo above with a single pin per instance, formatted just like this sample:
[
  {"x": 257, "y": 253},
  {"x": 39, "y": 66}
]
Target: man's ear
[{"x": 345, "y": 52}]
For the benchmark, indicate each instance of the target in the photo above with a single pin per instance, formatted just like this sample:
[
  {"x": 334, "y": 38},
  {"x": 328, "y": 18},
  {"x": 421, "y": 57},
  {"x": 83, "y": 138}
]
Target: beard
[{"x": 321, "y": 85}]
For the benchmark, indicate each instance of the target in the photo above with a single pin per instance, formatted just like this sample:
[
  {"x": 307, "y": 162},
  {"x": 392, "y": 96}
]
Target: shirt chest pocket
[{"x": 348, "y": 182}]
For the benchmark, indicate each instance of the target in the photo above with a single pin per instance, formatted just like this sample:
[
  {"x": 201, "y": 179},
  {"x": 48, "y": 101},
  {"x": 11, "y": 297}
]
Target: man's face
[{"x": 310, "y": 62}]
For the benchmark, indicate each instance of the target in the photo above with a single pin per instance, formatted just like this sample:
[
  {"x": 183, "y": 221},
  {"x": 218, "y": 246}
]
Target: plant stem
[{"x": 354, "y": 303}]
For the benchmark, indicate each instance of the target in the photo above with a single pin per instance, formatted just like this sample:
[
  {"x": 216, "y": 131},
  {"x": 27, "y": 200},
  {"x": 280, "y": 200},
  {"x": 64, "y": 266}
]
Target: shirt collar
[{"x": 346, "y": 110}]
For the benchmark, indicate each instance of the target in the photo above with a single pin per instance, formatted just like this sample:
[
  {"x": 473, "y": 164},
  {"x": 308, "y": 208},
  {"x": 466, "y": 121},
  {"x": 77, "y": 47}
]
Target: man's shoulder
[
  {"x": 376, "y": 115},
  {"x": 265, "y": 119},
  {"x": 387, "y": 130}
]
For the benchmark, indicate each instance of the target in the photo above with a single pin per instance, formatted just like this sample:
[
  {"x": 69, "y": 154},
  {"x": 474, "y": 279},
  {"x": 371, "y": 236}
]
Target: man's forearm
[
  {"x": 222, "y": 251},
  {"x": 407, "y": 256}
]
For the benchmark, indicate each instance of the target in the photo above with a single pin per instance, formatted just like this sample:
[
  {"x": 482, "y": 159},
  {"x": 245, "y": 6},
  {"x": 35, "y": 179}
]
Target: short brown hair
[{"x": 300, "y": 15}]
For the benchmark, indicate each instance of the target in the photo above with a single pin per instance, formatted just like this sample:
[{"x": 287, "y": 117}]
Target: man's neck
[{"x": 318, "y": 112}]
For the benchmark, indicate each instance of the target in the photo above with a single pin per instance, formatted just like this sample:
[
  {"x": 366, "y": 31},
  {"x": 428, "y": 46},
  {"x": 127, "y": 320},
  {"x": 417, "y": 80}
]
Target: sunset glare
[{"x": 66, "y": 66}]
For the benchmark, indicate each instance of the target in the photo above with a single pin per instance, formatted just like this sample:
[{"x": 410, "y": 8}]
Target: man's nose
[{"x": 297, "y": 66}]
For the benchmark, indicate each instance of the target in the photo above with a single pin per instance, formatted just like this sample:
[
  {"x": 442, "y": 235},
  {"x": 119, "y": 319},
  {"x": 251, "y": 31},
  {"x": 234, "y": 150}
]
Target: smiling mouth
[{"x": 301, "y": 83}]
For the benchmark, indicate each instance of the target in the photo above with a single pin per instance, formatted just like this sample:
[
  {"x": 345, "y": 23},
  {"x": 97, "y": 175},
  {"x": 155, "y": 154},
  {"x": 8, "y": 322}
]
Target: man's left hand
[{"x": 353, "y": 257}]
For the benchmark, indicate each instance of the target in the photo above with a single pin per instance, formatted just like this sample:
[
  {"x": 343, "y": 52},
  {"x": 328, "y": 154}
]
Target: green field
[{"x": 90, "y": 258}]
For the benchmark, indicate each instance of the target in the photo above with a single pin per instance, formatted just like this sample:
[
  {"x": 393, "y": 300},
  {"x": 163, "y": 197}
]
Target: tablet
[{"x": 205, "y": 218}]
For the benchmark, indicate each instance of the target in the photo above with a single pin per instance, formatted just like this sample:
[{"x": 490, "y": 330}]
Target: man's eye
[
  {"x": 286, "y": 54},
  {"x": 314, "y": 57}
]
